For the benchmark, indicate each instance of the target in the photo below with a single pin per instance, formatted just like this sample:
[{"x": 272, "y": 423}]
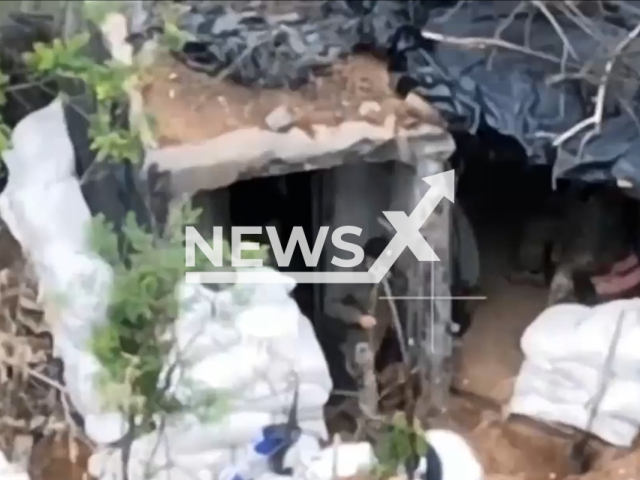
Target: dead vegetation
[{"x": 34, "y": 426}]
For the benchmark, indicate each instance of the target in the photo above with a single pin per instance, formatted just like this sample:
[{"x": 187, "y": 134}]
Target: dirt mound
[{"x": 524, "y": 450}]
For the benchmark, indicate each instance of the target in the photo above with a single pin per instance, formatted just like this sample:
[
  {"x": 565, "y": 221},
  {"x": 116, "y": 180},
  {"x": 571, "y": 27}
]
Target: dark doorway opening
[{"x": 284, "y": 201}]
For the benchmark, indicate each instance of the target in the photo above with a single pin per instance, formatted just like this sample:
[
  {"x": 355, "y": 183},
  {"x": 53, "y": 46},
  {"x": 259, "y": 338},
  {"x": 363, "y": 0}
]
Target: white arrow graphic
[
  {"x": 407, "y": 236},
  {"x": 408, "y": 227}
]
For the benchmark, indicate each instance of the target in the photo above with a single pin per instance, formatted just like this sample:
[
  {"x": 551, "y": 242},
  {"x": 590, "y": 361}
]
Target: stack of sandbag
[
  {"x": 448, "y": 457},
  {"x": 564, "y": 371},
  {"x": 249, "y": 344},
  {"x": 45, "y": 210}
]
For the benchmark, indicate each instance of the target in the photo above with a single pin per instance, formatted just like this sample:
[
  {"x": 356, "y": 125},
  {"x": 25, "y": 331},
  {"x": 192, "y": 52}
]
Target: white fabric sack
[
  {"x": 76, "y": 285},
  {"x": 54, "y": 213},
  {"x": 10, "y": 471},
  {"x": 216, "y": 319},
  {"x": 264, "y": 366},
  {"x": 268, "y": 322},
  {"x": 566, "y": 348},
  {"x": 188, "y": 460},
  {"x": 583, "y": 334},
  {"x": 42, "y": 155},
  {"x": 575, "y": 373},
  {"x": 621, "y": 398},
  {"x": 41, "y": 159},
  {"x": 46, "y": 212},
  {"x": 342, "y": 461},
  {"x": 459, "y": 461},
  {"x": 617, "y": 431}
]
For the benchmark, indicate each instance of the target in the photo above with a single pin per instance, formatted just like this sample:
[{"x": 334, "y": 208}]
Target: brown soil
[
  {"x": 191, "y": 107},
  {"x": 491, "y": 354},
  {"x": 54, "y": 459},
  {"x": 522, "y": 450}
]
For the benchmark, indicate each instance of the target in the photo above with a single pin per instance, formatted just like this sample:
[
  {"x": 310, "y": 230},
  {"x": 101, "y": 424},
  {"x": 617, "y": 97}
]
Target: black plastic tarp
[{"x": 506, "y": 89}]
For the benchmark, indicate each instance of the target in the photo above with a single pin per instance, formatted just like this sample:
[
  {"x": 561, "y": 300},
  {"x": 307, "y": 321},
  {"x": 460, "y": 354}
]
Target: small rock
[
  {"x": 369, "y": 107},
  {"x": 279, "y": 119}
]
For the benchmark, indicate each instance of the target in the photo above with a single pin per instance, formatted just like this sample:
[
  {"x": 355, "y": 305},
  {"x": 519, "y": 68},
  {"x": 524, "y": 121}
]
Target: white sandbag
[
  {"x": 273, "y": 283},
  {"x": 569, "y": 373},
  {"x": 188, "y": 457},
  {"x": 620, "y": 399},
  {"x": 41, "y": 155},
  {"x": 616, "y": 431},
  {"x": 583, "y": 334},
  {"x": 195, "y": 334},
  {"x": 269, "y": 311},
  {"x": 76, "y": 284},
  {"x": 267, "y": 361},
  {"x": 237, "y": 318},
  {"x": 264, "y": 373},
  {"x": 107, "y": 464},
  {"x": 261, "y": 335},
  {"x": 573, "y": 382},
  {"x": 189, "y": 434},
  {"x": 305, "y": 353},
  {"x": 103, "y": 427},
  {"x": 457, "y": 459},
  {"x": 42, "y": 152},
  {"x": 344, "y": 460},
  {"x": 10, "y": 471},
  {"x": 55, "y": 213},
  {"x": 46, "y": 212},
  {"x": 263, "y": 397},
  {"x": 566, "y": 349}
]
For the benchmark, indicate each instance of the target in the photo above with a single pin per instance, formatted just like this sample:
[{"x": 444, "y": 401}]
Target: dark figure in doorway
[
  {"x": 595, "y": 257},
  {"x": 465, "y": 272},
  {"x": 367, "y": 318}
]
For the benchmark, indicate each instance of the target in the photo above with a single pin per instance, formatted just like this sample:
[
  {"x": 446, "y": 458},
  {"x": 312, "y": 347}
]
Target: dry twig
[{"x": 596, "y": 119}]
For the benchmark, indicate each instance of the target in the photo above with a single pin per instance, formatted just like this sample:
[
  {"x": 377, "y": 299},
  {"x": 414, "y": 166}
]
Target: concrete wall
[
  {"x": 355, "y": 194},
  {"x": 215, "y": 211}
]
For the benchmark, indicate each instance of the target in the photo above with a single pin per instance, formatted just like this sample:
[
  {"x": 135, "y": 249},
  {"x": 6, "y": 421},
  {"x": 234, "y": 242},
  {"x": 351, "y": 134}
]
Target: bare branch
[
  {"x": 503, "y": 26},
  {"x": 597, "y": 117},
  {"x": 552, "y": 20},
  {"x": 481, "y": 43}
]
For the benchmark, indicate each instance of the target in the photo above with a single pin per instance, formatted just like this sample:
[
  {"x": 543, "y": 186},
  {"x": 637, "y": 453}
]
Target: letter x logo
[{"x": 408, "y": 227}]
